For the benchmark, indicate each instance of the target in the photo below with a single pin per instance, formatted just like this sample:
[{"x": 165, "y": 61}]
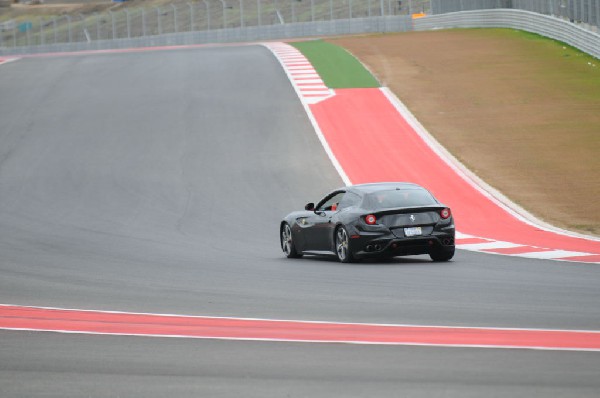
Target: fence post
[
  {"x": 114, "y": 28},
  {"x": 144, "y": 22},
  {"x": 158, "y": 20},
  {"x": 207, "y": 14},
  {"x": 331, "y": 10},
  {"x": 69, "y": 28},
  {"x": 128, "y": 23},
  {"x": 191, "y": 16},
  {"x": 258, "y": 11},
  {"x": 54, "y": 29},
  {"x": 15, "y": 36},
  {"x": 27, "y": 33},
  {"x": 224, "y": 14},
  {"x": 241, "y": 14},
  {"x": 97, "y": 25},
  {"x": 42, "y": 39},
  {"x": 175, "y": 28}
]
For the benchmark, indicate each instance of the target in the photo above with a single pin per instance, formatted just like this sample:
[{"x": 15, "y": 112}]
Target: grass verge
[{"x": 336, "y": 66}]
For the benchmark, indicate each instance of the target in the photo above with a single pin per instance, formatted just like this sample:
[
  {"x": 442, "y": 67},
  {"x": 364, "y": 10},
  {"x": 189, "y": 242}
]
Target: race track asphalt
[{"x": 154, "y": 182}]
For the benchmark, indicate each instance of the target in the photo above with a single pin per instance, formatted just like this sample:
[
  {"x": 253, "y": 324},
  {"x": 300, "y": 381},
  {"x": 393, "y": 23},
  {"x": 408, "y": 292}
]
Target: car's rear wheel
[
  {"x": 287, "y": 242},
  {"x": 442, "y": 255},
  {"x": 342, "y": 246}
]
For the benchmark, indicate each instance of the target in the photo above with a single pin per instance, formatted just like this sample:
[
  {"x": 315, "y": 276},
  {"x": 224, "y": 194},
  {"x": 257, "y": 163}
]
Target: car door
[{"x": 318, "y": 235}]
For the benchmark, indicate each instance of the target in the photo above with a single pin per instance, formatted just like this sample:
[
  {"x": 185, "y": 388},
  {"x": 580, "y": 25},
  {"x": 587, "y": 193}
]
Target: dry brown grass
[{"x": 522, "y": 112}]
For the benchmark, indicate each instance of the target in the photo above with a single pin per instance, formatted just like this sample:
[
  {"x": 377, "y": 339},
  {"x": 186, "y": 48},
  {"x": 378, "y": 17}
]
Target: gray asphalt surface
[{"x": 155, "y": 182}]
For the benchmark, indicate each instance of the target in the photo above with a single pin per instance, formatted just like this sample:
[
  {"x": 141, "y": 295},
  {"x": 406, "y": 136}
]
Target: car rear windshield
[{"x": 399, "y": 198}]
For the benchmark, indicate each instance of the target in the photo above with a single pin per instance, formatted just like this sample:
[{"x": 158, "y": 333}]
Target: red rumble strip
[
  {"x": 303, "y": 76},
  {"x": 119, "y": 323},
  {"x": 6, "y": 60}
]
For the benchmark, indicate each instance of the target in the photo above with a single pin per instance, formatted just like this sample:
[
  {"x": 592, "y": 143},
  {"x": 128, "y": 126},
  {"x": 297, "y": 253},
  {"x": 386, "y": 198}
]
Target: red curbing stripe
[
  {"x": 305, "y": 89},
  {"x": 118, "y": 323},
  {"x": 584, "y": 259},
  {"x": 469, "y": 241},
  {"x": 7, "y": 60},
  {"x": 517, "y": 250}
]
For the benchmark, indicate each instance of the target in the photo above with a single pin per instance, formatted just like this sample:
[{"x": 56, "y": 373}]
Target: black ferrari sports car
[{"x": 371, "y": 220}]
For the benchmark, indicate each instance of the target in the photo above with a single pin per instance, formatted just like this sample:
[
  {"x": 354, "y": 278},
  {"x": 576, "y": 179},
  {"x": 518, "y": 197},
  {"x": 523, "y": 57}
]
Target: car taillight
[
  {"x": 446, "y": 213},
  {"x": 371, "y": 219}
]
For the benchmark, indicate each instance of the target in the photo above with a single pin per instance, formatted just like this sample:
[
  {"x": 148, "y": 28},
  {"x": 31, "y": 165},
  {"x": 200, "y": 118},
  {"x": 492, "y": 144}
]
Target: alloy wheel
[
  {"x": 286, "y": 240},
  {"x": 341, "y": 244}
]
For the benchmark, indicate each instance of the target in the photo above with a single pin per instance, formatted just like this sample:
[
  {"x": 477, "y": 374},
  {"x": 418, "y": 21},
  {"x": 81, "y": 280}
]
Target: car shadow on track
[{"x": 394, "y": 261}]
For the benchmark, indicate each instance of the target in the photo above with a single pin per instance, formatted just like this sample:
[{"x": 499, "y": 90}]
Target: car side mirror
[{"x": 309, "y": 207}]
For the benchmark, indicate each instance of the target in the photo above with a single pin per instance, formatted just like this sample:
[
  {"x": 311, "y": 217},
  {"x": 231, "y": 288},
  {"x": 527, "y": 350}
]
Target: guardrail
[
  {"x": 584, "y": 12},
  {"x": 553, "y": 27}
]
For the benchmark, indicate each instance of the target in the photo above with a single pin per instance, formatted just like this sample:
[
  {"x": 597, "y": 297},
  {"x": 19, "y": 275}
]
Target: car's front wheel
[
  {"x": 287, "y": 242},
  {"x": 342, "y": 245}
]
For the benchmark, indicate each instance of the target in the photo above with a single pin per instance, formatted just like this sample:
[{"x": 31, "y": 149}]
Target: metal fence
[
  {"x": 586, "y": 12},
  {"x": 233, "y": 35},
  {"x": 217, "y": 21},
  {"x": 179, "y": 16}
]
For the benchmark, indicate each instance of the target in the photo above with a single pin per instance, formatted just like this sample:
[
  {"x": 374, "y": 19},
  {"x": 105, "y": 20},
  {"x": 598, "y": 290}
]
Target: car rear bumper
[{"x": 392, "y": 247}]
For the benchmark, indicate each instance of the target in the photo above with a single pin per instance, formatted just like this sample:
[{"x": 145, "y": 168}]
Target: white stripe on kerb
[{"x": 488, "y": 245}]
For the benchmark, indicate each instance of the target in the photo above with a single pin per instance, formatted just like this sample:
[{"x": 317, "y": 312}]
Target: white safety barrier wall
[
  {"x": 583, "y": 12},
  {"x": 553, "y": 27}
]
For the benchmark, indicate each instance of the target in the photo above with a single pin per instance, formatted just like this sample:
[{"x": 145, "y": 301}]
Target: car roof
[{"x": 383, "y": 186}]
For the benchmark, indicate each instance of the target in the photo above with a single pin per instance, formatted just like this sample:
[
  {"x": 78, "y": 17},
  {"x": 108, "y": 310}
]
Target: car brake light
[
  {"x": 371, "y": 219},
  {"x": 446, "y": 213}
]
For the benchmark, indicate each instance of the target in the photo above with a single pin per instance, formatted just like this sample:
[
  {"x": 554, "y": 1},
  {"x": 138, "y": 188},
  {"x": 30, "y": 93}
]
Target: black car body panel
[{"x": 380, "y": 220}]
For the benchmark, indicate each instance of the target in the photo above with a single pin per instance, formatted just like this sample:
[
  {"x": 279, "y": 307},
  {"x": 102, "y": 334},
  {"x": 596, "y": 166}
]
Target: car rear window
[{"x": 399, "y": 198}]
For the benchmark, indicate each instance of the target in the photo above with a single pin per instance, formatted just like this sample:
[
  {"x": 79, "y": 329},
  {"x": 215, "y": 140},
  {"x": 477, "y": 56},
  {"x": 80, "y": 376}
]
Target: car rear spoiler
[{"x": 412, "y": 209}]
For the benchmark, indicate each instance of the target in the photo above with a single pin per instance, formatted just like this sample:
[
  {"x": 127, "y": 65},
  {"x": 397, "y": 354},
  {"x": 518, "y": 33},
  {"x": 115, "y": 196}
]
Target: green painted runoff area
[{"x": 336, "y": 66}]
